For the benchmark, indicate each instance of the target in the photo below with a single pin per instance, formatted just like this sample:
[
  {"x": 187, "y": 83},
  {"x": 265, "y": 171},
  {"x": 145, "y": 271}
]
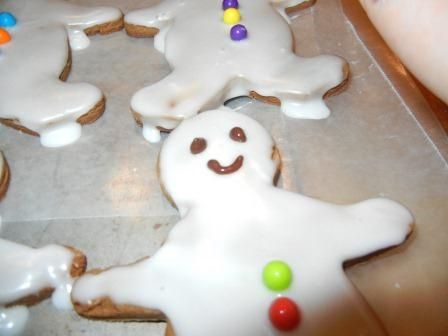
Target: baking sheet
[{"x": 102, "y": 193}]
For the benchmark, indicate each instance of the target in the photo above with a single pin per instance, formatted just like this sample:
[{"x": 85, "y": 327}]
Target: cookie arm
[
  {"x": 373, "y": 225},
  {"x": 127, "y": 292}
]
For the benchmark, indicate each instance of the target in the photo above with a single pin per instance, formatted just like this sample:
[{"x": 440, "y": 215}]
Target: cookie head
[{"x": 215, "y": 152}]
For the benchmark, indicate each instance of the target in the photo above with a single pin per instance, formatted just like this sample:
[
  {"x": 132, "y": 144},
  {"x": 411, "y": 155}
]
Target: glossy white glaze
[
  {"x": 26, "y": 271},
  {"x": 207, "y": 277},
  {"x": 30, "y": 65},
  {"x": 208, "y": 67},
  {"x": 13, "y": 320}
]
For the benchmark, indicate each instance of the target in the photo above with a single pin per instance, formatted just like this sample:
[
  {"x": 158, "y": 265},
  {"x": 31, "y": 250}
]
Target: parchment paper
[{"x": 102, "y": 194}]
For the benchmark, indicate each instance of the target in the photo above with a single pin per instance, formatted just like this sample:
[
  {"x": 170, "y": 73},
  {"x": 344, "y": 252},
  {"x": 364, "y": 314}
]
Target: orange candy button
[{"x": 4, "y": 36}]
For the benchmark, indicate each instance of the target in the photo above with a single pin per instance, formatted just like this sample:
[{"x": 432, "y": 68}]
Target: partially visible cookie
[
  {"x": 36, "y": 62},
  {"x": 4, "y": 176},
  {"x": 244, "y": 48},
  {"x": 30, "y": 275}
]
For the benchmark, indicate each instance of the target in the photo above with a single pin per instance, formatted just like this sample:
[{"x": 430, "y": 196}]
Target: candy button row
[
  {"x": 232, "y": 16},
  {"x": 284, "y": 313}
]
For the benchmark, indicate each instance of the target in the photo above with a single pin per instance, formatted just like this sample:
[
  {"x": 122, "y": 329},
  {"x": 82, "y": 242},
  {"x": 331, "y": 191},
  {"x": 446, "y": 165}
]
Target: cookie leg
[
  {"x": 164, "y": 105},
  {"x": 33, "y": 96},
  {"x": 300, "y": 84}
]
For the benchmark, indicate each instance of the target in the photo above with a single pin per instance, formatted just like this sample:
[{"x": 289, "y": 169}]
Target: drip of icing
[
  {"x": 151, "y": 133},
  {"x": 159, "y": 40},
  {"x": 202, "y": 55},
  {"x": 233, "y": 225},
  {"x": 314, "y": 108},
  {"x": 60, "y": 135},
  {"x": 13, "y": 320},
  {"x": 61, "y": 296},
  {"x": 78, "y": 39}
]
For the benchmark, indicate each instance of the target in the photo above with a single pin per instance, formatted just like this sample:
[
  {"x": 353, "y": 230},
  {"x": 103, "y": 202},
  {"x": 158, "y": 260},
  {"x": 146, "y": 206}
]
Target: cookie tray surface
[{"x": 102, "y": 194}]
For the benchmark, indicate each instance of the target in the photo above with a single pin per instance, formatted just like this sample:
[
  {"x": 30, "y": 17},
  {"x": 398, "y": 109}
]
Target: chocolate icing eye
[
  {"x": 198, "y": 145},
  {"x": 237, "y": 134}
]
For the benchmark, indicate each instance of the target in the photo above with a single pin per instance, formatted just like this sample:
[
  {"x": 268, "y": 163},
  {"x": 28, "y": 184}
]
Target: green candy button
[{"x": 277, "y": 275}]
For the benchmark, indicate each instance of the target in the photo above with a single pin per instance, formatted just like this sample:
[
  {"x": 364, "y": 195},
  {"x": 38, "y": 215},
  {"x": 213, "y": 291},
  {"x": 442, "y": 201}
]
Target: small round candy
[
  {"x": 284, "y": 314},
  {"x": 231, "y": 16},
  {"x": 4, "y": 36},
  {"x": 229, "y": 4},
  {"x": 277, "y": 275},
  {"x": 7, "y": 19},
  {"x": 238, "y": 32}
]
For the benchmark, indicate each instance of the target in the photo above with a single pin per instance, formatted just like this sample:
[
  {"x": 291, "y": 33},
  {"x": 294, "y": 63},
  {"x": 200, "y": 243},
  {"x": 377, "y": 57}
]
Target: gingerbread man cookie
[
  {"x": 35, "y": 61},
  {"x": 246, "y": 258},
  {"x": 4, "y": 176},
  {"x": 219, "y": 50},
  {"x": 30, "y": 275}
]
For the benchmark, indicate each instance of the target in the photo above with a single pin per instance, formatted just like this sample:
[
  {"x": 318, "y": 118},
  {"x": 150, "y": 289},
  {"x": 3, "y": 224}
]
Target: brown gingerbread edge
[
  {"x": 78, "y": 267},
  {"x": 98, "y": 109},
  {"x": 332, "y": 92},
  {"x": 4, "y": 178},
  {"x": 140, "y": 31}
]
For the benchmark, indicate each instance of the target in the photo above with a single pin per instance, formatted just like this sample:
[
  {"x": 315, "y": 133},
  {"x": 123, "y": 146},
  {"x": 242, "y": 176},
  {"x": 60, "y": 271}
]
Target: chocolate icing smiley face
[
  {"x": 200, "y": 144},
  {"x": 220, "y": 148}
]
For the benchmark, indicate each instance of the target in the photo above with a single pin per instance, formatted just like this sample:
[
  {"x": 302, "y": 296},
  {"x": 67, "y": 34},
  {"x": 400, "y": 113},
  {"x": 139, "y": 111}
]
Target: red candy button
[
  {"x": 284, "y": 314},
  {"x": 4, "y": 36}
]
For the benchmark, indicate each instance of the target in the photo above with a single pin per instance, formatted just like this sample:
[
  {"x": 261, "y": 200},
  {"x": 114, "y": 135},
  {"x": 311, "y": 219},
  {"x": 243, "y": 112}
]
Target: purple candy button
[
  {"x": 238, "y": 32},
  {"x": 229, "y": 4}
]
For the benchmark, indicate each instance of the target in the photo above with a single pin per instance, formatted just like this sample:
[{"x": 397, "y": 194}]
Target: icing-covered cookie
[
  {"x": 4, "y": 176},
  {"x": 246, "y": 258},
  {"x": 36, "y": 61},
  {"x": 30, "y": 275},
  {"x": 213, "y": 60}
]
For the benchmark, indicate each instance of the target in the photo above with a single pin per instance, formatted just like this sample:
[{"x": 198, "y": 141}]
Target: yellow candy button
[{"x": 232, "y": 16}]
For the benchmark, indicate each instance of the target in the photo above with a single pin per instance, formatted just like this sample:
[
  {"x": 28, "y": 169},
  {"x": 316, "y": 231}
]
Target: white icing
[
  {"x": 78, "y": 39},
  {"x": 207, "y": 276},
  {"x": 32, "y": 62},
  {"x": 197, "y": 45},
  {"x": 26, "y": 271},
  {"x": 13, "y": 320},
  {"x": 151, "y": 133},
  {"x": 60, "y": 135}
]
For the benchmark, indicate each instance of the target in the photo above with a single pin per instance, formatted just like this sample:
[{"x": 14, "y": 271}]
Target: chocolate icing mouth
[{"x": 220, "y": 170}]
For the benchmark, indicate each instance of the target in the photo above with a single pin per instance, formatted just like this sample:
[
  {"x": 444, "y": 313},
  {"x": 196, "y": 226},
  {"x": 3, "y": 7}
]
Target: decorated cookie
[
  {"x": 35, "y": 62},
  {"x": 4, "y": 176},
  {"x": 246, "y": 258},
  {"x": 224, "y": 49},
  {"x": 30, "y": 275}
]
